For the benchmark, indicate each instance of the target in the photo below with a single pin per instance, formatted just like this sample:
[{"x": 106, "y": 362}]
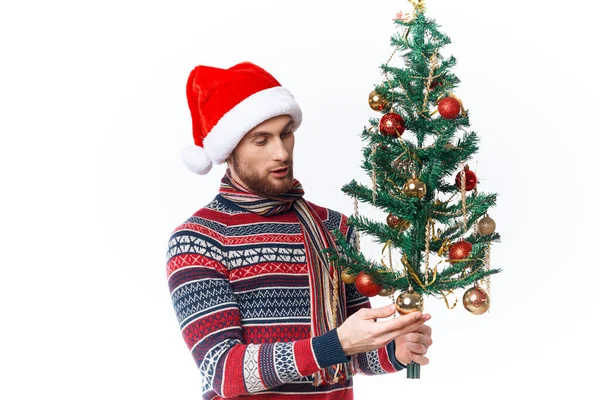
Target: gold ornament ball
[
  {"x": 386, "y": 292},
  {"x": 476, "y": 301},
  {"x": 486, "y": 225},
  {"x": 347, "y": 277},
  {"x": 377, "y": 102},
  {"x": 408, "y": 302},
  {"x": 414, "y": 188}
]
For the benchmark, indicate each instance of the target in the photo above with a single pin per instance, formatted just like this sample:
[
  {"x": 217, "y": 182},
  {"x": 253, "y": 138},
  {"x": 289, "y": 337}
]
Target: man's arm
[
  {"x": 209, "y": 319},
  {"x": 375, "y": 362}
]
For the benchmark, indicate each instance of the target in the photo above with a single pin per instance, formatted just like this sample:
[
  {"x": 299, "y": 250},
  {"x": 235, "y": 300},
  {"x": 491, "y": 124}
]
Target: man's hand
[
  {"x": 413, "y": 346},
  {"x": 361, "y": 332}
]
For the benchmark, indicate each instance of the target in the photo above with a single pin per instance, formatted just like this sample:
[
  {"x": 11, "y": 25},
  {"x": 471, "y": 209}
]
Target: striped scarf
[{"x": 326, "y": 291}]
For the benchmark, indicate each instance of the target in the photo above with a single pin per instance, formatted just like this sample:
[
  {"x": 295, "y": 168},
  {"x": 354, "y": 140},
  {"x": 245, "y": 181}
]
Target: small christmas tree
[{"x": 416, "y": 155}]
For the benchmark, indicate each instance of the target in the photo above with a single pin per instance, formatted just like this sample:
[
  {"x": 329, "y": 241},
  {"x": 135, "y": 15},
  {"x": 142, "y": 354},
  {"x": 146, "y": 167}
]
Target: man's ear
[{"x": 229, "y": 159}]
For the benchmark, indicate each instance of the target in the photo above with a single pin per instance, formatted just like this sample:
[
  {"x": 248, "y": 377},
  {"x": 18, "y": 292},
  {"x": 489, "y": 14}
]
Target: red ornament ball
[
  {"x": 366, "y": 285},
  {"x": 392, "y": 124},
  {"x": 398, "y": 223},
  {"x": 459, "y": 250},
  {"x": 470, "y": 180},
  {"x": 434, "y": 84},
  {"x": 449, "y": 107}
]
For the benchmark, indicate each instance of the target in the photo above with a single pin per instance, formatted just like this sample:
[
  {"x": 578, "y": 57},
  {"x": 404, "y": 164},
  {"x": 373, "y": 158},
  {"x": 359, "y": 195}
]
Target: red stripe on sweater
[
  {"x": 264, "y": 239},
  {"x": 246, "y": 218},
  {"x": 198, "y": 329},
  {"x": 384, "y": 359},
  {"x": 267, "y": 268},
  {"x": 344, "y": 225},
  {"x": 276, "y": 333},
  {"x": 233, "y": 377},
  {"x": 186, "y": 260},
  {"x": 189, "y": 226},
  {"x": 305, "y": 358},
  {"x": 336, "y": 394}
]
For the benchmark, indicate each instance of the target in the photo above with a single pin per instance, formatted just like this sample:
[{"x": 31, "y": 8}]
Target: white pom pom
[{"x": 196, "y": 160}]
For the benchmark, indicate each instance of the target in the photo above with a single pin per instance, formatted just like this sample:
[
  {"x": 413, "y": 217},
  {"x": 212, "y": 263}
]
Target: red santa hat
[{"x": 225, "y": 105}]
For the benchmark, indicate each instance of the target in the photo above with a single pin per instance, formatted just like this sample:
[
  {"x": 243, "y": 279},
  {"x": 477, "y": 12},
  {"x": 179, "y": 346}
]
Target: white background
[{"x": 93, "y": 115}]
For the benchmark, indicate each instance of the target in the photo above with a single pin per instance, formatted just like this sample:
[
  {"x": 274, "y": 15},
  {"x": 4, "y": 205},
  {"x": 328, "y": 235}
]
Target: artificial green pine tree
[{"x": 416, "y": 155}]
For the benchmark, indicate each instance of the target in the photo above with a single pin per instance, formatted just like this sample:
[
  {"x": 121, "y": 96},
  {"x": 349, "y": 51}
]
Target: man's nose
[{"x": 280, "y": 152}]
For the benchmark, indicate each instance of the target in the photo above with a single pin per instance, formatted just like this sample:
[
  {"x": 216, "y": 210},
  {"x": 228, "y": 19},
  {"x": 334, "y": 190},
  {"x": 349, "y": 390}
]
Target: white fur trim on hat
[
  {"x": 247, "y": 114},
  {"x": 196, "y": 160}
]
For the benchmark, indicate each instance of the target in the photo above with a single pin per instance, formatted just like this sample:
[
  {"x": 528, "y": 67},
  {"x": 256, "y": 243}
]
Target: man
[{"x": 260, "y": 308}]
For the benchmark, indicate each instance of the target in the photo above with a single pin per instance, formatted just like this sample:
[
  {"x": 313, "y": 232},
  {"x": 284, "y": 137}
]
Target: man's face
[{"x": 262, "y": 160}]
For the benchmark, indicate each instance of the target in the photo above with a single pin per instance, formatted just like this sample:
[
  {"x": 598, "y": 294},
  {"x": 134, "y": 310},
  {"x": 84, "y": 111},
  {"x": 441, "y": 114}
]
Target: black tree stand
[{"x": 413, "y": 370}]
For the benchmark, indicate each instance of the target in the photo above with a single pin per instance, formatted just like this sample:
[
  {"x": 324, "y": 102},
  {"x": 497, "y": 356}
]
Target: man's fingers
[
  {"x": 404, "y": 323},
  {"x": 421, "y": 360},
  {"x": 424, "y": 329},
  {"x": 416, "y": 337},
  {"x": 416, "y": 348},
  {"x": 409, "y": 324},
  {"x": 381, "y": 312},
  {"x": 388, "y": 337},
  {"x": 410, "y": 328}
]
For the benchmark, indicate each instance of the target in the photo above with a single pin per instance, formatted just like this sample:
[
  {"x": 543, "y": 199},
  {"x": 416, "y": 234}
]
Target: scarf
[{"x": 326, "y": 290}]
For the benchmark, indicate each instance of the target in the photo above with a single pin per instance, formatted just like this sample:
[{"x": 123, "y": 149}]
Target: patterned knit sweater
[{"x": 240, "y": 289}]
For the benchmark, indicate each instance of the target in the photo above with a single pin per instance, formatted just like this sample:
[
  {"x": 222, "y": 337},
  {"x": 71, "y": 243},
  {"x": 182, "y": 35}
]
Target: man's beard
[{"x": 262, "y": 185}]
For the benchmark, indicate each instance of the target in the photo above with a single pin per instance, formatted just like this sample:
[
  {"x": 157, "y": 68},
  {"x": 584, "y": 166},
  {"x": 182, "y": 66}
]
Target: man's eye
[
  {"x": 260, "y": 142},
  {"x": 288, "y": 133}
]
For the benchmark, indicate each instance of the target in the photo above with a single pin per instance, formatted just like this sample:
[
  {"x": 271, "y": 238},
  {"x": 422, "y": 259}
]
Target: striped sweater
[{"x": 240, "y": 290}]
